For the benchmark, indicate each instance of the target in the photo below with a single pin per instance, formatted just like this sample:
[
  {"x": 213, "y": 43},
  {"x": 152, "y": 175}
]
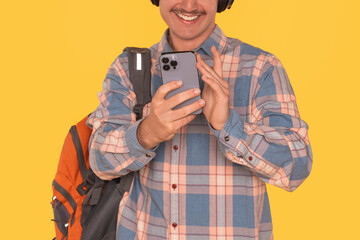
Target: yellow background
[{"x": 55, "y": 54}]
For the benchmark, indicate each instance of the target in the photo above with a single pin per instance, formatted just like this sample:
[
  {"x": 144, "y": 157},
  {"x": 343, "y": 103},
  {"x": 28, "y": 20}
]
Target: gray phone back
[{"x": 180, "y": 66}]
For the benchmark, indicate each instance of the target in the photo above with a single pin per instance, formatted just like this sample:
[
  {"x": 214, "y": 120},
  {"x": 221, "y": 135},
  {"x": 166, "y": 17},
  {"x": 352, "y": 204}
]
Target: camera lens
[
  {"x": 165, "y": 60},
  {"x": 173, "y": 63},
  {"x": 166, "y": 67}
]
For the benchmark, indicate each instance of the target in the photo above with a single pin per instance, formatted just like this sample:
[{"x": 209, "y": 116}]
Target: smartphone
[{"x": 180, "y": 66}]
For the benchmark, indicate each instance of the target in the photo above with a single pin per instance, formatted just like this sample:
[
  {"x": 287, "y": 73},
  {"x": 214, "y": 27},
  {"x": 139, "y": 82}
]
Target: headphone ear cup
[
  {"x": 224, "y": 4},
  {"x": 155, "y": 2},
  {"x": 221, "y": 5}
]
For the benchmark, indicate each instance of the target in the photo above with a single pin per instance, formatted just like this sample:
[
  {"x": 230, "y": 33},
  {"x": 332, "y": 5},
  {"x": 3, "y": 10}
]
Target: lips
[{"x": 187, "y": 17}]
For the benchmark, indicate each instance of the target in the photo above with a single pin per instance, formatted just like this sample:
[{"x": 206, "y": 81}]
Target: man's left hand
[{"x": 216, "y": 91}]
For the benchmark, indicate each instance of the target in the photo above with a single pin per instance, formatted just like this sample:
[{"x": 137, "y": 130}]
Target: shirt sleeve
[
  {"x": 114, "y": 149},
  {"x": 273, "y": 143}
]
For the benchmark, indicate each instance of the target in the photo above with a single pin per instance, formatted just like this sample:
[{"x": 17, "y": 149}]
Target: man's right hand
[{"x": 162, "y": 122}]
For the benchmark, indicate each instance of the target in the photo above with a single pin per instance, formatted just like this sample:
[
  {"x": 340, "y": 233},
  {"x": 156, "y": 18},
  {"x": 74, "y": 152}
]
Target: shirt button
[
  {"x": 174, "y": 186},
  {"x": 175, "y": 147},
  {"x": 227, "y": 138},
  {"x": 250, "y": 158},
  {"x": 148, "y": 155},
  {"x": 174, "y": 225},
  {"x": 128, "y": 170}
]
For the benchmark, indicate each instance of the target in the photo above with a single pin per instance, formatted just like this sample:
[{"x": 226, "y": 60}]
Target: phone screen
[{"x": 180, "y": 66}]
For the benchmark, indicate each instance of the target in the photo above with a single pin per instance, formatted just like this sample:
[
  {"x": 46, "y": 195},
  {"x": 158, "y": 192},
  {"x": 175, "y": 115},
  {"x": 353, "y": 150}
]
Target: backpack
[{"x": 86, "y": 207}]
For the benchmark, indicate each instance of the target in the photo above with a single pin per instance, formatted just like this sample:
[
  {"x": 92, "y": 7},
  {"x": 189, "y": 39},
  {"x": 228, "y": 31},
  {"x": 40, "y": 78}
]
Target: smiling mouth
[{"x": 186, "y": 17}]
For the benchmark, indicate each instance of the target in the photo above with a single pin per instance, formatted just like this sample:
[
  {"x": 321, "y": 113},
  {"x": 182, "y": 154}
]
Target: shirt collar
[{"x": 216, "y": 38}]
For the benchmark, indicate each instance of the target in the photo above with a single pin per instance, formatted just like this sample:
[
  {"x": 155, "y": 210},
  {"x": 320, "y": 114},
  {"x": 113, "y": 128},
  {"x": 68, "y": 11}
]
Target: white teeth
[{"x": 187, "y": 18}]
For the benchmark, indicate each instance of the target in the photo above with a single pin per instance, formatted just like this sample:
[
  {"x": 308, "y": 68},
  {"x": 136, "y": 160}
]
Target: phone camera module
[
  {"x": 173, "y": 63},
  {"x": 166, "y": 67},
  {"x": 165, "y": 60}
]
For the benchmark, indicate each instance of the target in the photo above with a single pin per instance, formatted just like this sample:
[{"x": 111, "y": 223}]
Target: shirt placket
[{"x": 174, "y": 187}]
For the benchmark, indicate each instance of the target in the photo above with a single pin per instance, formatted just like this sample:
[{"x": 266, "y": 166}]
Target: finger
[
  {"x": 209, "y": 72},
  {"x": 218, "y": 80},
  {"x": 187, "y": 110},
  {"x": 221, "y": 83},
  {"x": 205, "y": 68},
  {"x": 164, "y": 89},
  {"x": 217, "y": 61},
  {"x": 216, "y": 87},
  {"x": 182, "y": 97},
  {"x": 183, "y": 121}
]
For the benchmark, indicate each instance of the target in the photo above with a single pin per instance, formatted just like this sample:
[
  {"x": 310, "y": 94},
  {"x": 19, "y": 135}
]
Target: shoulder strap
[
  {"x": 79, "y": 151},
  {"x": 125, "y": 183},
  {"x": 140, "y": 76},
  {"x": 102, "y": 220}
]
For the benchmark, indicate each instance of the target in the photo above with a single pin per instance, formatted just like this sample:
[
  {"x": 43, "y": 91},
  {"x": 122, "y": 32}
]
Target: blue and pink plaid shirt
[{"x": 204, "y": 183}]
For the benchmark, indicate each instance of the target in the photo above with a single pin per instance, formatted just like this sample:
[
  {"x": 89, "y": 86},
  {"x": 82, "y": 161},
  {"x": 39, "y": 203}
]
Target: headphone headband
[{"x": 222, "y": 4}]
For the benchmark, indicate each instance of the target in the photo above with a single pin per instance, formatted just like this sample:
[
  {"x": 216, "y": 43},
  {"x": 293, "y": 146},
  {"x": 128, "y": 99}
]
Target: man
[{"x": 201, "y": 176}]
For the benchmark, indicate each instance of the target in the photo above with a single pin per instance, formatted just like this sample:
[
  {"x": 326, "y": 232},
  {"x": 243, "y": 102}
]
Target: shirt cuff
[
  {"x": 233, "y": 127},
  {"x": 135, "y": 148},
  {"x": 214, "y": 131},
  {"x": 232, "y": 138}
]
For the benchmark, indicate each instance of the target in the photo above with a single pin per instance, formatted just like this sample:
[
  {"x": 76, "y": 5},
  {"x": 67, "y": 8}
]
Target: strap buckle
[{"x": 138, "y": 110}]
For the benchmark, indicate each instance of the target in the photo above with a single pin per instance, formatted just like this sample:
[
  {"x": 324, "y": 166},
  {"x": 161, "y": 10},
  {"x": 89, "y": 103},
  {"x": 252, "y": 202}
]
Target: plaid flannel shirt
[{"x": 204, "y": 183}]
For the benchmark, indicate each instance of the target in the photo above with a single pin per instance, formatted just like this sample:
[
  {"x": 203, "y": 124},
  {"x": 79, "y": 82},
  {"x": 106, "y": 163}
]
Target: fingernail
[
  {"x": 196, "y": 91},
  {"x": 179, "y": 82},
  {"x": 201, "y": 102}
]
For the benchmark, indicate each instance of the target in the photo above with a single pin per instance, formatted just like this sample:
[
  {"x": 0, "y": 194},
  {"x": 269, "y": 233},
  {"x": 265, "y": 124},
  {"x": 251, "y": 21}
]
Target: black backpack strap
[
  {"x": 87, "y": 175},
  {"x": 102, "y": 218},
  {"x": 140, "y": 77},
  {"x": 79, "y": 151},
  {"x": 125, "y": 183},
  {"x": 102, "y": 223},
  {"x": 94, "y": 189}
]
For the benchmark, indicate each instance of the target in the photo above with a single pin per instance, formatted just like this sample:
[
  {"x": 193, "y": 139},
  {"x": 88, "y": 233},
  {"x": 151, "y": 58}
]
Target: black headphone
[{"x": 222, "y": 4}]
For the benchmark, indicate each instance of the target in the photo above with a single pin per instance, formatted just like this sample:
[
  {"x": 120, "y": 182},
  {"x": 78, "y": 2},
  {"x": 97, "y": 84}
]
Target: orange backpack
[
  {"x": 85, "y": 207},
  {"x": 71, "y": 172}
]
